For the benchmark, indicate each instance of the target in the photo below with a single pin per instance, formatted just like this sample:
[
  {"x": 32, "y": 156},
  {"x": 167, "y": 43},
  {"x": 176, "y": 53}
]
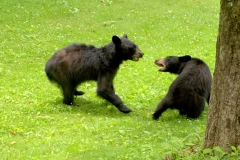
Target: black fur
[
  {"x": 77, "y": 63},
  {"x": 189, "y": 90}
]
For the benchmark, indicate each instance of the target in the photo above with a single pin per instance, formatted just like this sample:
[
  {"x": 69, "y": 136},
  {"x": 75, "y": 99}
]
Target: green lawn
[{"x": 34, "y": 124}]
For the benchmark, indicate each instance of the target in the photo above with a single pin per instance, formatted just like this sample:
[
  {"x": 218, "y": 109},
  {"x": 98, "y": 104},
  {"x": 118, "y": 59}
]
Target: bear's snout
[{"x": 138, "y": 54}]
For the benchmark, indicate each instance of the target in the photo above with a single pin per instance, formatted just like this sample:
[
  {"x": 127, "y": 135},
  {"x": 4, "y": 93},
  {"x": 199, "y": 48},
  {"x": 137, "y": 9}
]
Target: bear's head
[
  {"x": 172, "y": 64},
  {"x": 128, "y": 49}
]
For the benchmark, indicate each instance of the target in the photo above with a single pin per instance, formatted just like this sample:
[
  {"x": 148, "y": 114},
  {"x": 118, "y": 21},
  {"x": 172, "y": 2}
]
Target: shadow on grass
[{"x": 100, "y": 108}]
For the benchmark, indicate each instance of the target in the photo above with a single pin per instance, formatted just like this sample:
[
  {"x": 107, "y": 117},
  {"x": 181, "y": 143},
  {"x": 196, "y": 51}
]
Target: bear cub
[
  {"x": 189, "y": 91},
  {"x": 77, "y": 63}
]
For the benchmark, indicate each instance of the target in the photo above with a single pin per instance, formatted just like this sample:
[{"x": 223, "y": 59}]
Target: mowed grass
[{"x": 34, "y": 124}]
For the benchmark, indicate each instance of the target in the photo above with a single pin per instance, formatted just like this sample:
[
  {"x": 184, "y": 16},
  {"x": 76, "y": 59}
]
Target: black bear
[
  {"x": 189, "y": 91},
  {"x": 77, "y": 63}
]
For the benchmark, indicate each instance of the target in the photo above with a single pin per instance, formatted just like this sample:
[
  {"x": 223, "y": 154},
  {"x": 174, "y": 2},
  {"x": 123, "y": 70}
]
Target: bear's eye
[{"x": 133, "y": 48}]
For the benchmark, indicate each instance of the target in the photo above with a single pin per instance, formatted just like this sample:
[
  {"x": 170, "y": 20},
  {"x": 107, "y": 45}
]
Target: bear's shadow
[{"x": 90, "y": 107}]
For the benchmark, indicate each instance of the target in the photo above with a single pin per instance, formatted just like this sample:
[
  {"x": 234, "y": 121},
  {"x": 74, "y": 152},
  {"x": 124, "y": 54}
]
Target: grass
[{"x": 34, "y": 124}]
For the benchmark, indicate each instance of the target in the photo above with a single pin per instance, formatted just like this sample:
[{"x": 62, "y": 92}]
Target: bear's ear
[
  {"x": 125, "y": 36},
  {"x": 116, "y": 40},
  {"x": 185, "y": 58}
]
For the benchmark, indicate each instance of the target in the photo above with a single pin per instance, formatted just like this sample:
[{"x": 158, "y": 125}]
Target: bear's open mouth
[
  {"x": 160, "y": 64},
  {"x": 135, "y": 58},
  {"x": 161, "y": 67}
]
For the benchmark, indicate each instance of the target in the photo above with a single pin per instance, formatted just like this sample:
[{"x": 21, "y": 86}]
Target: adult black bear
[
  {"x": 189, "y": 90},
  {"x": 77, "y": 63}
]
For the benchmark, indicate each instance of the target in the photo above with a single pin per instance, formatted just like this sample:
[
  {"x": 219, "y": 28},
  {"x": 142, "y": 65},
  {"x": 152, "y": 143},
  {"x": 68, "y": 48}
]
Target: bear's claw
[
  {"x": 124, "y": 109},
  {"x": 154, "y": 116},
  {"x": 78, "y": 93}
]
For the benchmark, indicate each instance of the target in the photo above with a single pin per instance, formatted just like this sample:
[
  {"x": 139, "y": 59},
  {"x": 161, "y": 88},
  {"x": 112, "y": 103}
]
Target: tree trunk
[{"x": 223, "y": 126}]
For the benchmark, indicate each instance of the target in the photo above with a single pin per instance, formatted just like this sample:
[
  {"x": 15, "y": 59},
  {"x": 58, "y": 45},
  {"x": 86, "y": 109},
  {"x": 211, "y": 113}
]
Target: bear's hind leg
[
  {"x": 196, "y": 107},
  {"x": 162, "y": 106},
  {"x": 208, "y": 99}
]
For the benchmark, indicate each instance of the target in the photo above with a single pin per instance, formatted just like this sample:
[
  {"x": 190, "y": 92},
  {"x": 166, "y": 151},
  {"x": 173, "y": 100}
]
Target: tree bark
[{"x": 223, "y": 125}]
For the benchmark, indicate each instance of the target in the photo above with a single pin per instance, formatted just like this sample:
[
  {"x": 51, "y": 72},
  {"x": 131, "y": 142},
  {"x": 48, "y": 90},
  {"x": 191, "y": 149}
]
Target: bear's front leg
[
  {"x": 68, "y": 91},
  {"x": 106, "y": 90},
  {"x": 162, "y": 106}
]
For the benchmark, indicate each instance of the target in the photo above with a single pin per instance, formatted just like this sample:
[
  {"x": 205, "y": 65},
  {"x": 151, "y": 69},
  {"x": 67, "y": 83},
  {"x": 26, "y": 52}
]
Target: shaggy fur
[
  {"x": 189, "y": 90},
  {"x": 77, "y": 63}
]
